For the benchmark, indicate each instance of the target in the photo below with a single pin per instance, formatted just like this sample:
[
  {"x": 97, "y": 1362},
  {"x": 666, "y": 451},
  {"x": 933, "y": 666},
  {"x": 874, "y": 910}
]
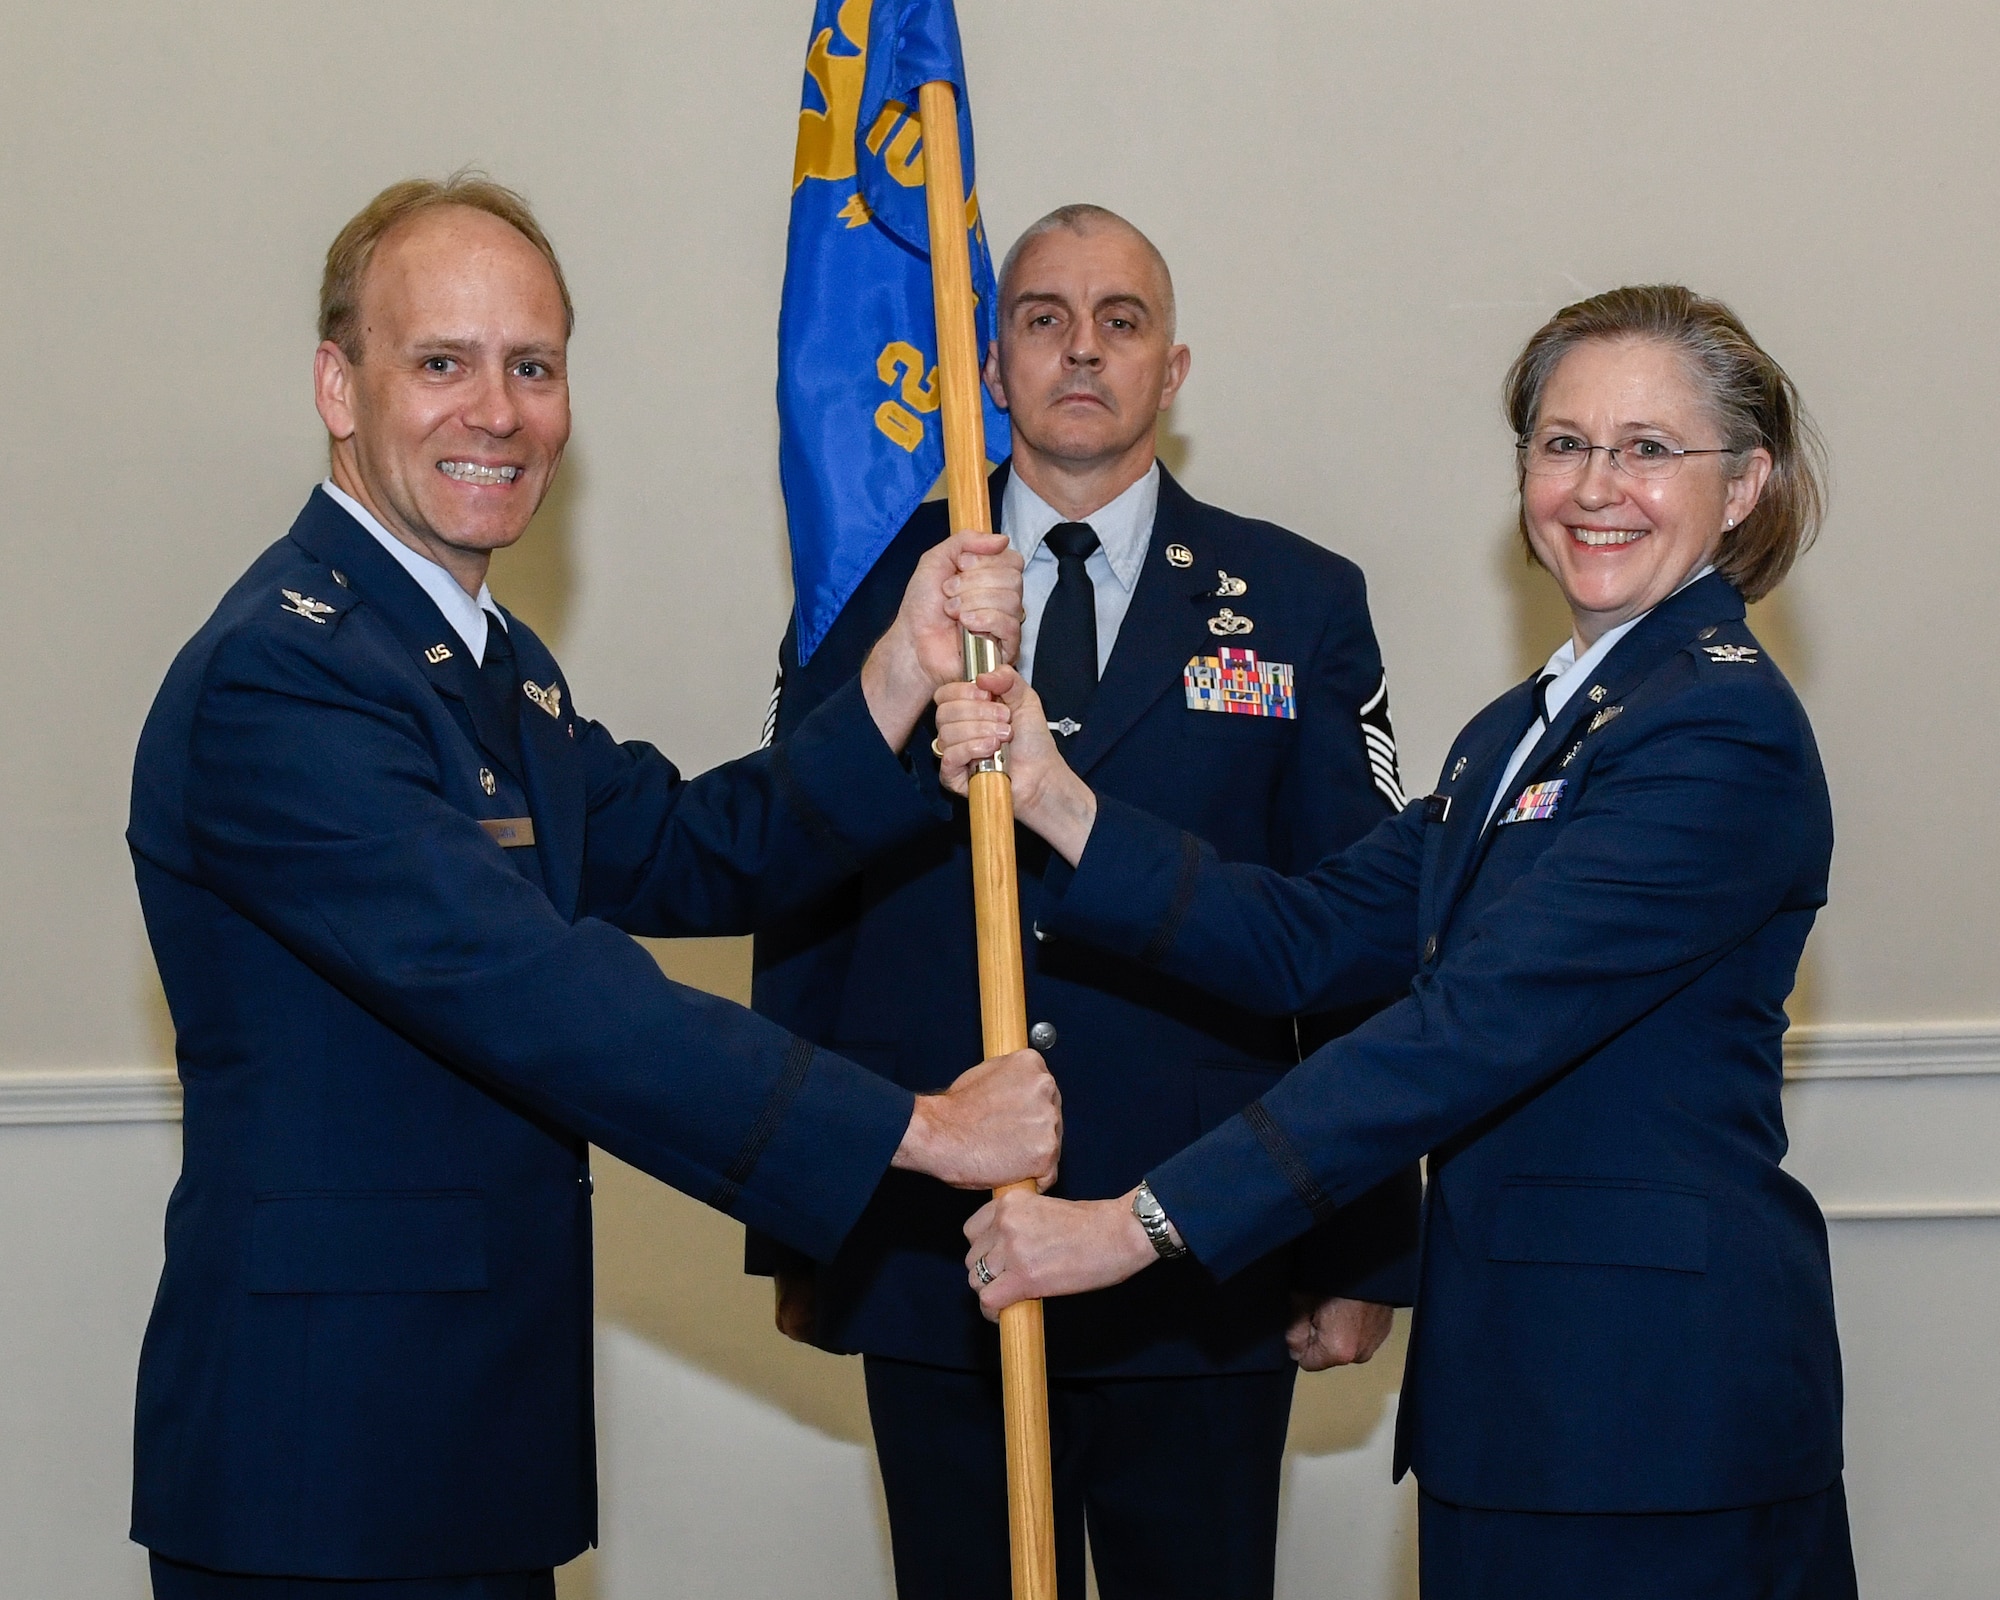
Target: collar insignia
[
  {"x": 549, "y": 699},
  {"x": 1729, "y": 654},
  {"x": 1179, "y": 555},
  {"x": 438, "y": 654},
  {"x": 304, "y": 605}
]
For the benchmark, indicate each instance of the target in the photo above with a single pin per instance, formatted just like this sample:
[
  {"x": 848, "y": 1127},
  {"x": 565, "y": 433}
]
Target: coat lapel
[
  {"x": 1662, "y": 634},
  {"x": 1152, "y": 647},
  {"x": 554, "y": 778},
  {"x": 1465, "y": 828}
]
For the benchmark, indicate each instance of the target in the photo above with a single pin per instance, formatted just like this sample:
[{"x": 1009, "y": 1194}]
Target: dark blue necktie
[
  {"x": 1542, "y": 695},
  {"x": 1066, "y": 645},
  {"x": 500, "y": 689}
]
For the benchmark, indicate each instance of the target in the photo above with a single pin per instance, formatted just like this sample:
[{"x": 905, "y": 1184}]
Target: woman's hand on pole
[
  {"x": 975, "y": 720},
  {"x": 1029, "y": 1247}
]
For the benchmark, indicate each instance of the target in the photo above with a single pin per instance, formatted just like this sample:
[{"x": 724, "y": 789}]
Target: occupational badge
[
  {"x": 1537, "y": 801},
  {"x": 1236, "y": 683},
  {"x": 1228, "y": 588},
  {"x": 304, "y": 605},
  {"x": 1228, "y": 622},
  {"x": 487, "y": 781},
  {"x": 549, "y": 699}
]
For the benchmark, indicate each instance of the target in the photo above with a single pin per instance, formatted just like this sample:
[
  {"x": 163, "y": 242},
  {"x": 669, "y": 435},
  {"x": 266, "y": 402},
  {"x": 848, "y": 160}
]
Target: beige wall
[{"x": 1368, "y": 208}]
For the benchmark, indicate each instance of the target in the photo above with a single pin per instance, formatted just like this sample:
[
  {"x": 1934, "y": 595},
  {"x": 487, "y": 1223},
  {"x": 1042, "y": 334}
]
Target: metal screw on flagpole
[{"x": 1003, "y": 1002}]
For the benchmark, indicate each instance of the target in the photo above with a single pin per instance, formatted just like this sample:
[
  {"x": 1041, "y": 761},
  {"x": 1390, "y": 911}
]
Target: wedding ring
[
  {"x": 937, "y": 749},
  {"x": 983, "y": 1272}
]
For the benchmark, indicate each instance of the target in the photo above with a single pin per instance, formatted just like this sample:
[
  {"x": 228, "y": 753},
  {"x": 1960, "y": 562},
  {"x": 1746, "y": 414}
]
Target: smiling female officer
[{"x": 1625, "y": 1306}]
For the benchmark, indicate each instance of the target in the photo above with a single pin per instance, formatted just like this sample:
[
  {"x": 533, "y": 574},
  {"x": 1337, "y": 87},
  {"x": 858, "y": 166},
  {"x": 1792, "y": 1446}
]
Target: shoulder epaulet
[{"x": 1731, "y": 645}]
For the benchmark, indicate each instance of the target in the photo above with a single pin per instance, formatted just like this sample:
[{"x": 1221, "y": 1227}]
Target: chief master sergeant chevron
[{"x": 388, "y": 872}]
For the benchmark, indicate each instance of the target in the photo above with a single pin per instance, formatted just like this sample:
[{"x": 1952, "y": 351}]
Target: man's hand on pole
[
  {"x": 998, "y": 1124},
  {"x": 1030, "y": 1247},
  {"x": 971, "y": 581}
]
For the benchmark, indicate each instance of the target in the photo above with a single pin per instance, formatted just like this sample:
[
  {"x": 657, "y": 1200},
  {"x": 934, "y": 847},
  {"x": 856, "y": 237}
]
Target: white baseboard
[{"x": 1833, "y": 1050}]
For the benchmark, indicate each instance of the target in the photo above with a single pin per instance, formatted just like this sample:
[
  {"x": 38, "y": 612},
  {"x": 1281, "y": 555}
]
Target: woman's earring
[{"x": 1728, "y": 523}]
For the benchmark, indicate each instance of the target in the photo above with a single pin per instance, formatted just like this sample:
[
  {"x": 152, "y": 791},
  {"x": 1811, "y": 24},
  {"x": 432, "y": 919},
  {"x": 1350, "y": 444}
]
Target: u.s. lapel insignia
[
  {"x": 1228, "y": 588},
  {"x": 438, "y": 654},
  {"x": 1603, "y": 717},
  {"x": 1729, "y": 654},
  {"x": 1596, "y": 694},
  {"x": 1228, "y": 622},
  {"x": 1179, "y": 555},
  {"x": 1236, "y": 683},
  {"x": 304, "y": 605},
  {"x": 549, "y": 699},
  {"x": 487, "y": 781}
]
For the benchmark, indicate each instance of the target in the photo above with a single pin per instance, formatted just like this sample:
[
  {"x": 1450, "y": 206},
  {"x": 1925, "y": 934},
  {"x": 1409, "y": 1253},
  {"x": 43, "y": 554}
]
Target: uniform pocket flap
[
  {"x": 367, "y": 1242},
  {"x": 1600, "y": 1222}
]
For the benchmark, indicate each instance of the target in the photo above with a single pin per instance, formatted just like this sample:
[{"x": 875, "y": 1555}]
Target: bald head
[{"x": 1082, "y": 219}]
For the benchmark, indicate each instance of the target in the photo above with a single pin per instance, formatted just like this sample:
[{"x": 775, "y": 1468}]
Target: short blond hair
[
  {"x": 347, "y": 258},
  {"x": 1754, "y": 403}
]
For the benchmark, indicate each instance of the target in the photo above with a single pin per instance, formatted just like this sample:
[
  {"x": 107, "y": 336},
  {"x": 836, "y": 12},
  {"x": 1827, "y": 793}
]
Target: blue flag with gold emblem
[{"x": 860, "y": 441}]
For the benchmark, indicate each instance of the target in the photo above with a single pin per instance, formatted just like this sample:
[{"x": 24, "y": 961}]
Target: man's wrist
[
  {"x": 896, "y": 687},
  {"x": 1163, "y": 1237},
  {"x": 916, "y": 1150}
]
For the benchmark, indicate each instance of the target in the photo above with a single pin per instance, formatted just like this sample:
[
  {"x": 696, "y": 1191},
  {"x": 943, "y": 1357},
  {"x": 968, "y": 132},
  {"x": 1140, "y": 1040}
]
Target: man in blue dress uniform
[
  {"x": 1221, "y": 671},
  {"x": 389, "y": 872}
]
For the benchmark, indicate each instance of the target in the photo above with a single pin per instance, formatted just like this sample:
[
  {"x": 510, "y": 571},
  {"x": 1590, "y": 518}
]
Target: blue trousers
[
  {"x": 1789, "y": 1550},
  {"x": 1175, "y": 1478},
  {"x": 173, "y": 1580}
]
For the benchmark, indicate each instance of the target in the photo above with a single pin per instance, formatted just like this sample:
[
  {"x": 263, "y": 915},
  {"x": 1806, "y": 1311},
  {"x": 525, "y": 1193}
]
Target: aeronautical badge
[
  {"x": 1236, "y": 683},
  {"x": 1537, "y": 801},
  {"x": 1378, "y": 739},
  {"x": 549, "y": 699},
  {"x": 304, "y": 605},
  {"x": 1729, "y": 654},
  {"x": 1603, "y": 717}
]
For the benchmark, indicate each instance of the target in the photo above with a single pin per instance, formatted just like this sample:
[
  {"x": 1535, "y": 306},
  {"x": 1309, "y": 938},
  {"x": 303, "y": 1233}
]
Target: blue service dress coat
[
  {"x": 370, "y": 1355},
  {"x": 884, "y": 971},
  {"x": 1624, "y": 1303}
]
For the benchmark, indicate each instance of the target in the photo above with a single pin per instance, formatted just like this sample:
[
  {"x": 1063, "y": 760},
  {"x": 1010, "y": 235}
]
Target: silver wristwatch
[{"x": 1153, "y": 1218}]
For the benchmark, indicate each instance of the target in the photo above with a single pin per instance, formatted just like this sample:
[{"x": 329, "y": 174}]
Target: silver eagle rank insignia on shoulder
[
  {"x": 304, "y": 605},
  {"x": 1729, "y": 654}
]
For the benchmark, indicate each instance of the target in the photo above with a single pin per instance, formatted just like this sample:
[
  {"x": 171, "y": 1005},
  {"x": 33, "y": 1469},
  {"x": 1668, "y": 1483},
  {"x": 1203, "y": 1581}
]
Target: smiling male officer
[
  {"x": 388, "y": 872},
  {"x": 1221, "y": 671}
]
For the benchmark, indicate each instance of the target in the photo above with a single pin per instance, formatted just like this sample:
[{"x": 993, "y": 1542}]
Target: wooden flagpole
[{"x": 1003, "y": 1001}]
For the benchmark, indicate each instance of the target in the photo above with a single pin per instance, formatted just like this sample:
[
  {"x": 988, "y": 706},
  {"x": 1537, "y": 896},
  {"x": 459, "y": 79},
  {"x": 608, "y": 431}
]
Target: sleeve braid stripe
[
  {"x": 1177, "y": 909},
  {"x": 798, "y": 1061},
  {"x": 1290, "y": 1164}
]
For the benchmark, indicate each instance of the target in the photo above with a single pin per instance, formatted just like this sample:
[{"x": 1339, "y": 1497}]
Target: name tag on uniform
[
  {"x": 510, "y": 833},
  {"x": 1236, "y": 683},
  {"x": 1537, "y": 801}
]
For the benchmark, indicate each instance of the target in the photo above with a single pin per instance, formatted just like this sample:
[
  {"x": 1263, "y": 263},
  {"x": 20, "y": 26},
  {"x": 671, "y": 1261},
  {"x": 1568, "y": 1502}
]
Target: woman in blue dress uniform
[{"x": 1623, "y": 1378}]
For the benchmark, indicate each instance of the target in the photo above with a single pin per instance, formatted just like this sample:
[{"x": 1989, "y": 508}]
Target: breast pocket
[
  {"x": 368, "y": 1242},
  {"x": 1600, "y": 1222},
  {"x": 1221, "y": 728}
]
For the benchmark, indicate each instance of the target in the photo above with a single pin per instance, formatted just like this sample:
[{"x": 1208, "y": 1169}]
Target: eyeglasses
[{"x": 1564, "y": 455}]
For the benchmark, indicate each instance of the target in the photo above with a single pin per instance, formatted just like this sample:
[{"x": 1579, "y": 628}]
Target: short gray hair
[{"x": 1081, "y": 217}]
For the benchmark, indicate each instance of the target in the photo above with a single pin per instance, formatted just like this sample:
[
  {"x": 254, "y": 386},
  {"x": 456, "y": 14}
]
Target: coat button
[
  {"x": 1039, "y": 935},
  {"x": 1431, "y": 948},
  {"x": 1043, "y": 1036}
]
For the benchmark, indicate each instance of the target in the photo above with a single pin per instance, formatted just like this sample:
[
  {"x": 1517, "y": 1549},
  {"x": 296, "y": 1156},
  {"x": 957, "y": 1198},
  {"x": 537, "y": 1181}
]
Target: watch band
[{"x": 1153, "y": 1218}]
